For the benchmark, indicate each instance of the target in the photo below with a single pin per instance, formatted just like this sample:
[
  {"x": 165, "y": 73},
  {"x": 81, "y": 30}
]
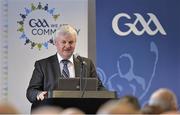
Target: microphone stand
[
  {"x": 81, "y": 75},
  {"x": 84, "y": 80}
]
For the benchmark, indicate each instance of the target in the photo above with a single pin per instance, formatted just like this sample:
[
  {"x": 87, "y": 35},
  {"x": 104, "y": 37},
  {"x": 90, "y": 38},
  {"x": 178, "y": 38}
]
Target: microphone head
[{"x": 78, "y": 57}]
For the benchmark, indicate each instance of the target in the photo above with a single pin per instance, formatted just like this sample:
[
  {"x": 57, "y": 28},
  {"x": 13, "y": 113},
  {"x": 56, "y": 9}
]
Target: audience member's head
[
  {"x": 164, "y": 98},
  {"x": 131, "y": 100},
  {"x": 171, "y": 113},
  {"x": 151, "y": 109},
  {"x": 47, "y": 110},
  {"x": 122, "y": 106},
  {"x": 71, "y": 111},
  {"x": 6, "y": 108}
]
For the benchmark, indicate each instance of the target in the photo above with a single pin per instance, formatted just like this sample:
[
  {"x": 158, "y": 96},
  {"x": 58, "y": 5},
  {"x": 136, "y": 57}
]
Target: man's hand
[{"x": 41, "y": 95}]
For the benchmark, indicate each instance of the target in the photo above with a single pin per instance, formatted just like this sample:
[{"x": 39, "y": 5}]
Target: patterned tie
[{"x": 65, "y": 71}]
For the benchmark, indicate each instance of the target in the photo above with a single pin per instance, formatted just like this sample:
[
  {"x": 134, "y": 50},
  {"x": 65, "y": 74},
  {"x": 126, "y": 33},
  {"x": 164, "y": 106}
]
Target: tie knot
[{"x": 65, "y": 61}]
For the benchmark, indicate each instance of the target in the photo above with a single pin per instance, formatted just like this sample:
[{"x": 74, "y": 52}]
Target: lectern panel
[{"x": 80, "y": 94}]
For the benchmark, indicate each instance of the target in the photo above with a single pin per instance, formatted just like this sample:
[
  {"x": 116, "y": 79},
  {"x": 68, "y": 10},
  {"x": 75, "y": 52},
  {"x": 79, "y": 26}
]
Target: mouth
[{"x": 67, "y": 51}]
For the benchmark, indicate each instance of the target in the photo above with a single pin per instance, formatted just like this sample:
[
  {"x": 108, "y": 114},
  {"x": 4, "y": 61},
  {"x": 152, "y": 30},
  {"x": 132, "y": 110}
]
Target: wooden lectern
[{"x": 89, "y": 101}]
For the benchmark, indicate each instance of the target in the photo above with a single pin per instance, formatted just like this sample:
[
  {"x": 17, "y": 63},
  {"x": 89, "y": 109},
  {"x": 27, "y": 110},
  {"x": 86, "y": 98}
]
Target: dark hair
[
  {"x": 151, "y": 109},
  {"x": 132, "y": 100}
]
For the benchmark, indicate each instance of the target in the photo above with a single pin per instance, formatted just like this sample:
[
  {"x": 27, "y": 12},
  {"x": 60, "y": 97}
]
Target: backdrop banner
[
  {"x": 138, "y": 46},
  {"x": 31, "y": 25}
]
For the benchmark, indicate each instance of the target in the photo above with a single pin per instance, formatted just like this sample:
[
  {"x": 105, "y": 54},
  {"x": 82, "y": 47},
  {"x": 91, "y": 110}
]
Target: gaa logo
[
  {"x": 37, "y": 24},
  {"x": 132, "y": 27}
]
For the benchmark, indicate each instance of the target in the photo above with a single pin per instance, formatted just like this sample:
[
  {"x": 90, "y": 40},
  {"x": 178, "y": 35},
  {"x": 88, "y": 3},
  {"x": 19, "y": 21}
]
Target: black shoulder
[
  {"x": 87, "y": 59},
  {"x": 48, "y": 59}
]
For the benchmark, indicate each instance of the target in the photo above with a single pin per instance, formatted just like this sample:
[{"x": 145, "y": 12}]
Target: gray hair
[
  {"x": 65, "y": 30},
  {"x": 164, "y": 98}
]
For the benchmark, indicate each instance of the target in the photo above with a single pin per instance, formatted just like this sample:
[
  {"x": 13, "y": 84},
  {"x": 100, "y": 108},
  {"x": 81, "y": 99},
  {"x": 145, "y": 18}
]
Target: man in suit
[{"x": 61, "y": 65}]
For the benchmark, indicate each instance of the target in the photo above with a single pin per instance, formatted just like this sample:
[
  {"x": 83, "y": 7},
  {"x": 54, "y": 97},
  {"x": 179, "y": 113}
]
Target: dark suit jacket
[{"x": 47, "y": 72}]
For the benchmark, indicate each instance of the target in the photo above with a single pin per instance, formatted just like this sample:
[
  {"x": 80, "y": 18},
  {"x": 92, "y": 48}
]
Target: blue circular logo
[{"x": 37, "y": 25}]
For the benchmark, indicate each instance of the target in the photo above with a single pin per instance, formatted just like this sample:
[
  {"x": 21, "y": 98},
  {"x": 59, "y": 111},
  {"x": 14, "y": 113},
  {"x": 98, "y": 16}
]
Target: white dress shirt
[{"x": 70, "y": 65}]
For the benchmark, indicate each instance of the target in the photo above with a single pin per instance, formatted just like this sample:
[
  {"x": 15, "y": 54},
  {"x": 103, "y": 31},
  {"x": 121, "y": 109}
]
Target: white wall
[
  {"x": 3, "y": 51},
  {"x": 0, "y": 51}
]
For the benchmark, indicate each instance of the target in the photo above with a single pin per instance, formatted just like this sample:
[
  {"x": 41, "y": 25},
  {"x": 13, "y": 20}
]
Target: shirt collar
[{"x": 60, "y": 58}]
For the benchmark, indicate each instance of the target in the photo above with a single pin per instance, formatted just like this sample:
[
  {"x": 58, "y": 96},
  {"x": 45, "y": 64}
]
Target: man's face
[{"x": 65, "y": 45}]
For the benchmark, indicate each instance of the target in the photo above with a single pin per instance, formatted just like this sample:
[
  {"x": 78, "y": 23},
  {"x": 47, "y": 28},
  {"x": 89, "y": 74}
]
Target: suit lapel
[
  {"x": 56, "y": 66},
  {"x": 76, "y": 67}
]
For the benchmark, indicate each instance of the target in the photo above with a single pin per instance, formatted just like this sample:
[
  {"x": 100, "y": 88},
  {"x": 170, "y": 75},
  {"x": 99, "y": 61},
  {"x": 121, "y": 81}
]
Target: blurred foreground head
[
  {"x": 47, "y": 110},
  {"x": 131, "y": 100},
  {"x": 6, "y": 108},
  {"x": 126, "y": 105},
  {"x": 151, "y": 109},
  {"x": 164, "y": 98},
  {"x": 72, "y": 111}
]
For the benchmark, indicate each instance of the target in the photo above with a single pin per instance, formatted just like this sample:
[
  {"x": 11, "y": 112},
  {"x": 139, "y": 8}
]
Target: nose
[{"x": 67, "y": 45}]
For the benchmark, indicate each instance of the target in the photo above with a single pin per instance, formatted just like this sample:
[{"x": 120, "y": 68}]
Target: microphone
[
  {"x": 80, "y": 59},
  {"x": 82, "y": 74}
]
